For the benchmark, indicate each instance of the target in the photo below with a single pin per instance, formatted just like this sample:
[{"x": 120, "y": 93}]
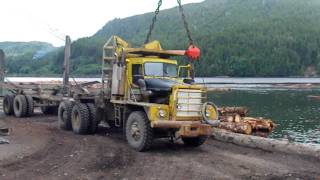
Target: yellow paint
[
  {"x": 188, "y": 70},
  {"x": 173, "y": 99},
  {"x": 142, "y": 60},
  {"x": 154, "y": 45},
  {"x": 154, "y": 109},
  {"x": 213, "y": 112},
  {"x": 153, "y": 112}
]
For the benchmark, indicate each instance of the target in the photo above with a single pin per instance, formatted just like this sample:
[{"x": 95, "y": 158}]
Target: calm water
[{"x": 297, "y": 116}]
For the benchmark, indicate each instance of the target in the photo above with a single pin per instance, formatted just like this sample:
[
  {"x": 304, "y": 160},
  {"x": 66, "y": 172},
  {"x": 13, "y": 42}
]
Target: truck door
[{"x": 137, "y": 73}]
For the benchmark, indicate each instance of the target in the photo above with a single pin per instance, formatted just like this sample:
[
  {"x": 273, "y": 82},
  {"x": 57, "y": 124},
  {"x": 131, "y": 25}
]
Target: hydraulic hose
[{"x": 212, "y": 122}]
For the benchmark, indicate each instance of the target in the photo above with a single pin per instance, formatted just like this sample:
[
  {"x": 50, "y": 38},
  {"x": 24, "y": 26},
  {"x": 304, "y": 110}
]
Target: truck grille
[{"x": 189, "y": 103}]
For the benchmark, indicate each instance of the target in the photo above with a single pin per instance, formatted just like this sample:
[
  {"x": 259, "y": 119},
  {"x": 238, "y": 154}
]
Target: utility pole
[
  {"x": 2, "y": 71},
  {"x": 66, "y": 66}
]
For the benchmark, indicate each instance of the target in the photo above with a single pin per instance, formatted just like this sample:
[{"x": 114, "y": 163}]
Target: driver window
[{"x": 136, "y": 73}]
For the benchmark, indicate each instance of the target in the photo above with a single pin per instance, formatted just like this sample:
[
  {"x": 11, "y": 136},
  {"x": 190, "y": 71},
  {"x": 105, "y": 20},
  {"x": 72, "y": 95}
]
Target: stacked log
[
  {"x": 243, "y": 128},
  {"x": 235, "y": 119},
  {"x": 227, "y": 111},
  {"x": 259, "y": 124}
]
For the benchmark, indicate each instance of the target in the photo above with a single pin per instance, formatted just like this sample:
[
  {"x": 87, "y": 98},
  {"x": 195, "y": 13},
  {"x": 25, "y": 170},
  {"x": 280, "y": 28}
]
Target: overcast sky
[{"x": 38, "y": 20}]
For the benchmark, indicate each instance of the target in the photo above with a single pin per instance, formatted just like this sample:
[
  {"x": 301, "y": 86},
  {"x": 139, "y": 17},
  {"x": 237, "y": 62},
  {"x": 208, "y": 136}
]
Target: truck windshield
[{"x": 160, "y": 69}]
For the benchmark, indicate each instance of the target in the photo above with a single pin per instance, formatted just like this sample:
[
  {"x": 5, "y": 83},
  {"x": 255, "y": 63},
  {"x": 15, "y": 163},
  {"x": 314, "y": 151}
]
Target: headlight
[
  {"x": 162, "y": 113},
  {"x": 211, "y": 112}
]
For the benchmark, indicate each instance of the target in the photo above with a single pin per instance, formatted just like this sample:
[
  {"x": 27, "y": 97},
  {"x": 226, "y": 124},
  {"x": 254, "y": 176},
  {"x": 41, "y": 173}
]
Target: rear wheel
[
  {"x": 80, "y": 119},
  {"x": 64, "y": 115},
  {"x": 20, "y": 106},
  {"x": 194, "y": 141},
  {"x": 30, "y": 105},
  {"x": 139, "y": 133},
  {"x": 8, "y": 105},
  {"x": 92, "y": 118}
]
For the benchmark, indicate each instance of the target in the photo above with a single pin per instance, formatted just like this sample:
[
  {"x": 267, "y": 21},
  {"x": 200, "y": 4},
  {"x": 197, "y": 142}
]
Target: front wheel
[
  {"x": 80, "y": 118},
  {"x": 194, "y": 141},
  {"x": 139, "y": 133}
]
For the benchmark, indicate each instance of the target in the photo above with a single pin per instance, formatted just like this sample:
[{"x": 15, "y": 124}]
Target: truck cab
[{"x": 151, "y": 98}]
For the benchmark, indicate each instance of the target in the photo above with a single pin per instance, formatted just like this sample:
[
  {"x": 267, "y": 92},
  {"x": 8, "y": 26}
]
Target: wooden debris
[
  {"x": 240, "y": 127},
  {"x": 234, "y": 119},
  {"x": 229, "y": 111},
  {"x": 272, "y": 145},
  {"x": 259, "y": 124}
]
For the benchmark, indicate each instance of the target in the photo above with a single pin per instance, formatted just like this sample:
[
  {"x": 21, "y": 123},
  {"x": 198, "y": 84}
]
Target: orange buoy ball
[{"x": 193, "y": 52}]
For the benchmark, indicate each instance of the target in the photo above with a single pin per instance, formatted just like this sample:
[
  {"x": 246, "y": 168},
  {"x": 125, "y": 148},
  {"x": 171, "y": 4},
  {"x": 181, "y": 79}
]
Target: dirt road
[{"x": 39, "y": 150}]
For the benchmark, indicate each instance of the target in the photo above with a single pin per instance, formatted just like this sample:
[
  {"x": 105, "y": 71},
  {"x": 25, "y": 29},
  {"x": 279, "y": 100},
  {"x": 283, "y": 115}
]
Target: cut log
[
  {"x": 232, "y": 111},
  {"x": 259, "y": 124},
  {"x": 237, "y": 118},
  {"x": 273, "y": 145},
  {"x": 240, "y": 127}
]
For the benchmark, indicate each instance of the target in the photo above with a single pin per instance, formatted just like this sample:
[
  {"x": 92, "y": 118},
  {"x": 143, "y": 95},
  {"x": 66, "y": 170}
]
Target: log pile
[{"x": 235, "y": 119}]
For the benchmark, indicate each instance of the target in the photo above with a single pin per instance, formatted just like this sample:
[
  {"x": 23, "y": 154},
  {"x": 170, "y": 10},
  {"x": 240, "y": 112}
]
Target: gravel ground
[{"x": 38, "y": 149}]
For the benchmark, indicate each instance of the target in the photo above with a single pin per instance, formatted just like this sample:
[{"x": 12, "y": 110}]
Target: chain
[
  {"x": 154, "y": 19},
  {"x": 185, "y": 23}
]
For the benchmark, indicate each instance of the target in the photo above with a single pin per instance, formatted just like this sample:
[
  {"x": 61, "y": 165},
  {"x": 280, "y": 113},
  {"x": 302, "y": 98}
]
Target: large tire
[
  {"x": 20, "y": 106},
  {"x": 8, "y": 105},
  {"x": 80, "y": 118},
  {"x": 139, "y": 133},
  {"x": 92, "y": 118},
  {"x": 30, "y": 105},
  {"x": 194, "y": 141},
  {"x": 64, "y": 115},
  {"x": 49, "y": 110}
]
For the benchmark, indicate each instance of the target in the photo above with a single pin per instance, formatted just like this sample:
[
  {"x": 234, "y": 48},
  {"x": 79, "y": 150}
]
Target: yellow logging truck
[
  {"x": 142, "y": 90},
  {"x": 143, "y": 93}
]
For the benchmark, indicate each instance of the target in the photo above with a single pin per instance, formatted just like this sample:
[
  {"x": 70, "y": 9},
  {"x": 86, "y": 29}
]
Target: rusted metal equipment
[
  {"x": 66, "y": 66},
  {"x": 47, "y": 96}
]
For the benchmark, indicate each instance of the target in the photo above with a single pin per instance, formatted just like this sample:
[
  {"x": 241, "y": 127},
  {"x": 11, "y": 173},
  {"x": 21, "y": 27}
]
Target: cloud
[{"x": 49, "y": 21}]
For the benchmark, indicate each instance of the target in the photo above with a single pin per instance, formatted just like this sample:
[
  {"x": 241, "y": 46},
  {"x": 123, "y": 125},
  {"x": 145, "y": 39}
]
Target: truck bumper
[{"x": 185, "y": 128}]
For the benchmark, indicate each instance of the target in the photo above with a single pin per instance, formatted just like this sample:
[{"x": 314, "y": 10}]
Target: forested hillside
[
  {"x": 237, "y": 38},
  {"x": 23, "y": 57}
]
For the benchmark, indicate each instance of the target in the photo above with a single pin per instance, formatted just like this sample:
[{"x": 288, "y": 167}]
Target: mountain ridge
[{"x": 237, "y": 38}]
